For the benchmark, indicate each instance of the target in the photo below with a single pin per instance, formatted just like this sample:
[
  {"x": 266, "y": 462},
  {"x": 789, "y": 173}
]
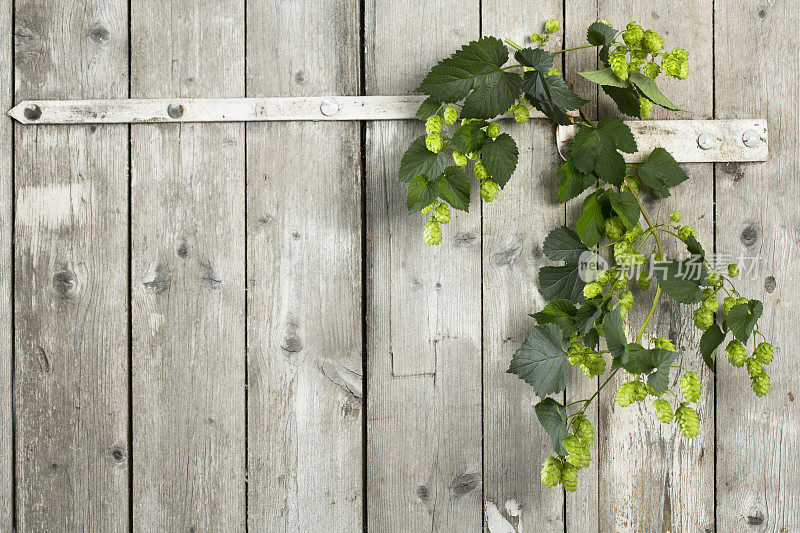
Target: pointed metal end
[{"x": 26, "y": 112}]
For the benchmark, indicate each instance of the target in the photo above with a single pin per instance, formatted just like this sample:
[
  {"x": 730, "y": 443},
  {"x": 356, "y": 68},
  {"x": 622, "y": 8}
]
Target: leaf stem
[
  {"x": 586, "y": 117},
  {"x": 573, "y": 48},
  {"x": 512, "y": 44}
]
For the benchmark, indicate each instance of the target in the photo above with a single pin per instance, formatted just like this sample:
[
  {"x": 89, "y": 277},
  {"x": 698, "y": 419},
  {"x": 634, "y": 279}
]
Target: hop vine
[{"x": 588, "y": 298}]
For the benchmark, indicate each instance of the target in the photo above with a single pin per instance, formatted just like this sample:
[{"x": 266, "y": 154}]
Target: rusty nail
[{"x": 175, "y": 110}]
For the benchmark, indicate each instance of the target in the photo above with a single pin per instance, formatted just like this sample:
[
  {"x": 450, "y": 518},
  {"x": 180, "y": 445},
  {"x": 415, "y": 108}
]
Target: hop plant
[
  {"x": 690, "y": 386},
  {"x": 663, "y": 410},
  {"x": 736, "y": 353},
  {"x": 652, "y": 41},
  {"x": 675, "y": 216},
  {"x": 687, "y": 420},
  {"x": 684, "y": 232},
  {"x": 665, "y": 344},
  {"x": 459, "y": 159},
  {"x": 569, "y": 478},
  {"x": 433, "y": 125},
  {"x": 489, "y": 190},
  {"x": 675, "y": 63},
  {"x": 551, "y": 472},
  {"x": 434, "y": 142},
  {"x": 582, "y": 428},
  {"x": 644, "y": 280},
  {"x": 593, "y": 366},
  {"x": 535, "y": 37},
  {"x": 761, "y": 384},
  {"x": 493, "y": 130},
  {"x": 552, "y": 26},
  {"x": 633, "y": 34},
  {"x": 577, "y": 452},
  {"x": 703, "y": 318},
  {"x": 619, "y": 65},
  {"x": 521, "y": 114},
  {"x": 733, "y": 270},
  {"x": 626, "y": 300},
  {"x": 614, "y": 228},
  {"x": 710, "y": 300},
  {"x": 592, "y": 290},
  {"x": 714, "y": 278},
  {"x": 754, "y": 367},
  {"x": 432, "y": 233},
  {"x": 763, "y": 353},
  {"x": 626, "y": 394},
  {"x": 728, "y": 303},
  {"x": 480, "y": 170},
  {"x": 450, "y": 115},
  {"x": 651, "y": 70},
  {"x": 442, "y": 214},
  {"x": 645, "y": 107}
]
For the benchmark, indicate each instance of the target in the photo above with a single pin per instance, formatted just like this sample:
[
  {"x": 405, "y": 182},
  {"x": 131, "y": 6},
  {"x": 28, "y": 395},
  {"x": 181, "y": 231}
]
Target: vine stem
[
  {"x": 512, "y": 44},
  {"x": 574, "y": 48},
  {"x": 589, "y": 121}
]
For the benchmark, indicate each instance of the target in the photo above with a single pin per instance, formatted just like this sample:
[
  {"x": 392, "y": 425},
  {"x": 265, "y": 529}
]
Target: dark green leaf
[
  {"x": 591, "y": 222},
  {"x": 604, "y": 77},
  {"x": 561, "y": 282},
  {"x": 421, "y": 193},
  {"x": 594, "y": 150},
  {"x": 627, "y": 100},
  {"x": 500, "y": 156},
  {"x": 474, "y": 73},
  {"x": 619, "y": 132},
  {"x": 600, "y": 34},
  {"x": 614, "y": 332},
  {"x": 541, "y": 361},
  {"x": 681, "y": 279},
  {"x": 694, "y": 246},
  {"x": 660, "y": 170},
  {"x": 469, "y": 137},
  {"x": 625, "y": 205},
  {"x": 553, "y": 418},
  {"x": 571, "y": 181},
  {"x": 454, "y": 186},
  {"x": 535, "y": 58},
  {"x": 550, "y": 95},
  {"x": 655, "y": 363},
  {"x": 590, "y": 313},
  {"x": 559, "y": 312},
  {"x": 709, "y": 343},
  {"x": 742, "y": 319},
  {"x": 419, "y": 160},
  {"x": 650, "y": 90},
  {"x": 428, "y": 108},
  {"x": 592, "y": 338},
  {"x": 563, "y": 244}
]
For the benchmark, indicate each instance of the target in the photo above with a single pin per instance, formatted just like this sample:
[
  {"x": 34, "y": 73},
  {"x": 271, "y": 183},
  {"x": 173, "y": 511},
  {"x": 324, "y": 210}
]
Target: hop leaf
[
  {"x": 583, "y": 429},
  {"x": 551, "y": 472},
  {"x": 763, "y": 353},
  {"x": 690, "y": 386},
  {"x": 577, "y": 452},
  {"x": 432, "y": 233},
  {"x": 569, "y": 478},
  {"x": 687, "y": 420},
  {"x": 736, "y": 353},
  {"x": 761, "y": 384},
  {"x": 663, "y": 410}
]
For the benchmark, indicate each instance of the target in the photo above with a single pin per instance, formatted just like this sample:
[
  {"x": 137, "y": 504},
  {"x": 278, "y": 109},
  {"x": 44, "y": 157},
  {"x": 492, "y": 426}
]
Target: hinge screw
[
  {"x": 329, "y": 107},
  {"x": 751, "y": 138},
  {"x": 706, "y": 141},
  {"x": 175, "y": 110},
  {"x": 32, "y": 112}
]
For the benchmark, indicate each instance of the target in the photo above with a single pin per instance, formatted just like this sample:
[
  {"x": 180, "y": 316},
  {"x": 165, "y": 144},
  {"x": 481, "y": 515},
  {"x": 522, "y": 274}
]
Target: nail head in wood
[
  {"x": 175, "y": 110},
  {"x": 751, "y": 138},
  {"x": 706, "y": 141},
  {"x": 329, "y": 107},
  {"x": 33, "y": 112}
]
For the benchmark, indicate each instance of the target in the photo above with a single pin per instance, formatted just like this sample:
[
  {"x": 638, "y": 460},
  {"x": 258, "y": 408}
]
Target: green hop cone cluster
[
  {"x": 684, "y": 232},
  {"x": 763, "y": 353},
  {"x": 736, "y": 353},
  {"x": 442, "y": 213},
  {"x": 632, "y": 391},
  {"x": 582, "y": 428},
  {"x": 480, "y": 170},
  {"x": 690, "y": 386},
  {"x": 644, "y": 280},
  {"x": 675, "y": 63},
  {"x": 551, "y": 471},
  {"x": 633, "y": 34},
  {"x": 593, "y": 366},
  {"x": 614, "y": 228},
  {"x": 577, "y": 452},
  {"x": 710, "y": 300},
  {"x": 703, "y": 318},
  {"x": 434, "y": 142},
  {"x": 645, "y": 107},
  {"x": 521, "y": 114},
  {"x": 687, "y": 420},
  {"x": 663, "y": 410},
  {"x": 651, "y": 70},
  {"x": 664, "y": 344},
  {"x": 618, "y": 65},
  {"x": 675, "y": 216},
  {"x": 432, "y": 233},
  {"x": 450, "y": 115},
  {"x": 652, "y": 41},
  {"x": 433, "y": 124},
  {"x": 761, "y": 384},
  {"x": 569, "y": 477},
  {"x": 592, "y": 289},
  {"x": 489, "y": 190},
  {"x": 552, "y": 26},
  {"x": 754, "y": 367},
  {"x": 459, "y": 159},
  {"x": 493, "y": 130}
]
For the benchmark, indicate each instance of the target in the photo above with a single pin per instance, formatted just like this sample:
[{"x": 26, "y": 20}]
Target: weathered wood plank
[
  {"x": 758, "y": 466},
  {"x": 188, "y": 248},
  {"x": 304, "y": 275},
  {"x": 6, "y": 262},
  {"x": 423, "y": 303},
  {"x": 514, "y": 227},
  {"x": 651, "y": 477},
  {"x": 71, "y": 273}
]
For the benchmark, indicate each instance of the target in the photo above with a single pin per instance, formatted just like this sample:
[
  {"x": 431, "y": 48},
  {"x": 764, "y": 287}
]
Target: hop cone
[
  {"x": 690, "y": 386},
  {"x": 687, "y": 420}
]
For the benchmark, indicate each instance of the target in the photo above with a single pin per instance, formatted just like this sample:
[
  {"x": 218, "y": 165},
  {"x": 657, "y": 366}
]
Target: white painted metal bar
[{"x": 689, "y": 141}]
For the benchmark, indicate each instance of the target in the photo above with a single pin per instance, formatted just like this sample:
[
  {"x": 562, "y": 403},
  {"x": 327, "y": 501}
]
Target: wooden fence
[{"x": 223, "y": 326}]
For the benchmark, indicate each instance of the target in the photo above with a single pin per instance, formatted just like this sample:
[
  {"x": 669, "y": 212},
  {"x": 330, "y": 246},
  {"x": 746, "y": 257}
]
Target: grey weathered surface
[
  {"x": 514, "y": 227},
  {"x": 304, "y": 282},
  {"x": 758, "y": 465},
  {"x": 651, "y": 477},
  {"x": 71, "y": 273},
  {"x": 6, "y": 261},
  {"x": 187, "y": 273},
  {"x": 423, "y": 304}
]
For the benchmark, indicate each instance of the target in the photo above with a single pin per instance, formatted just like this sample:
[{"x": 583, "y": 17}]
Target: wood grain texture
[
  {"x": 304, "y": 275},
  {"x": 188, "y": 247},
  {"x": 514, "y": 227},
  {"x": 651, "y": 477},
  {"x": 423, "y": 303},
  {"x": 71, "y": 273},
  {"x": 758, "y": 467},
  {"x": 6, "y": 265}
]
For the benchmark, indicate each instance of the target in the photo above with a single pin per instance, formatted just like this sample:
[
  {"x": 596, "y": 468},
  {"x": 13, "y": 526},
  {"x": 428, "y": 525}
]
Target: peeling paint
[{"x": 495, "y": 521}]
